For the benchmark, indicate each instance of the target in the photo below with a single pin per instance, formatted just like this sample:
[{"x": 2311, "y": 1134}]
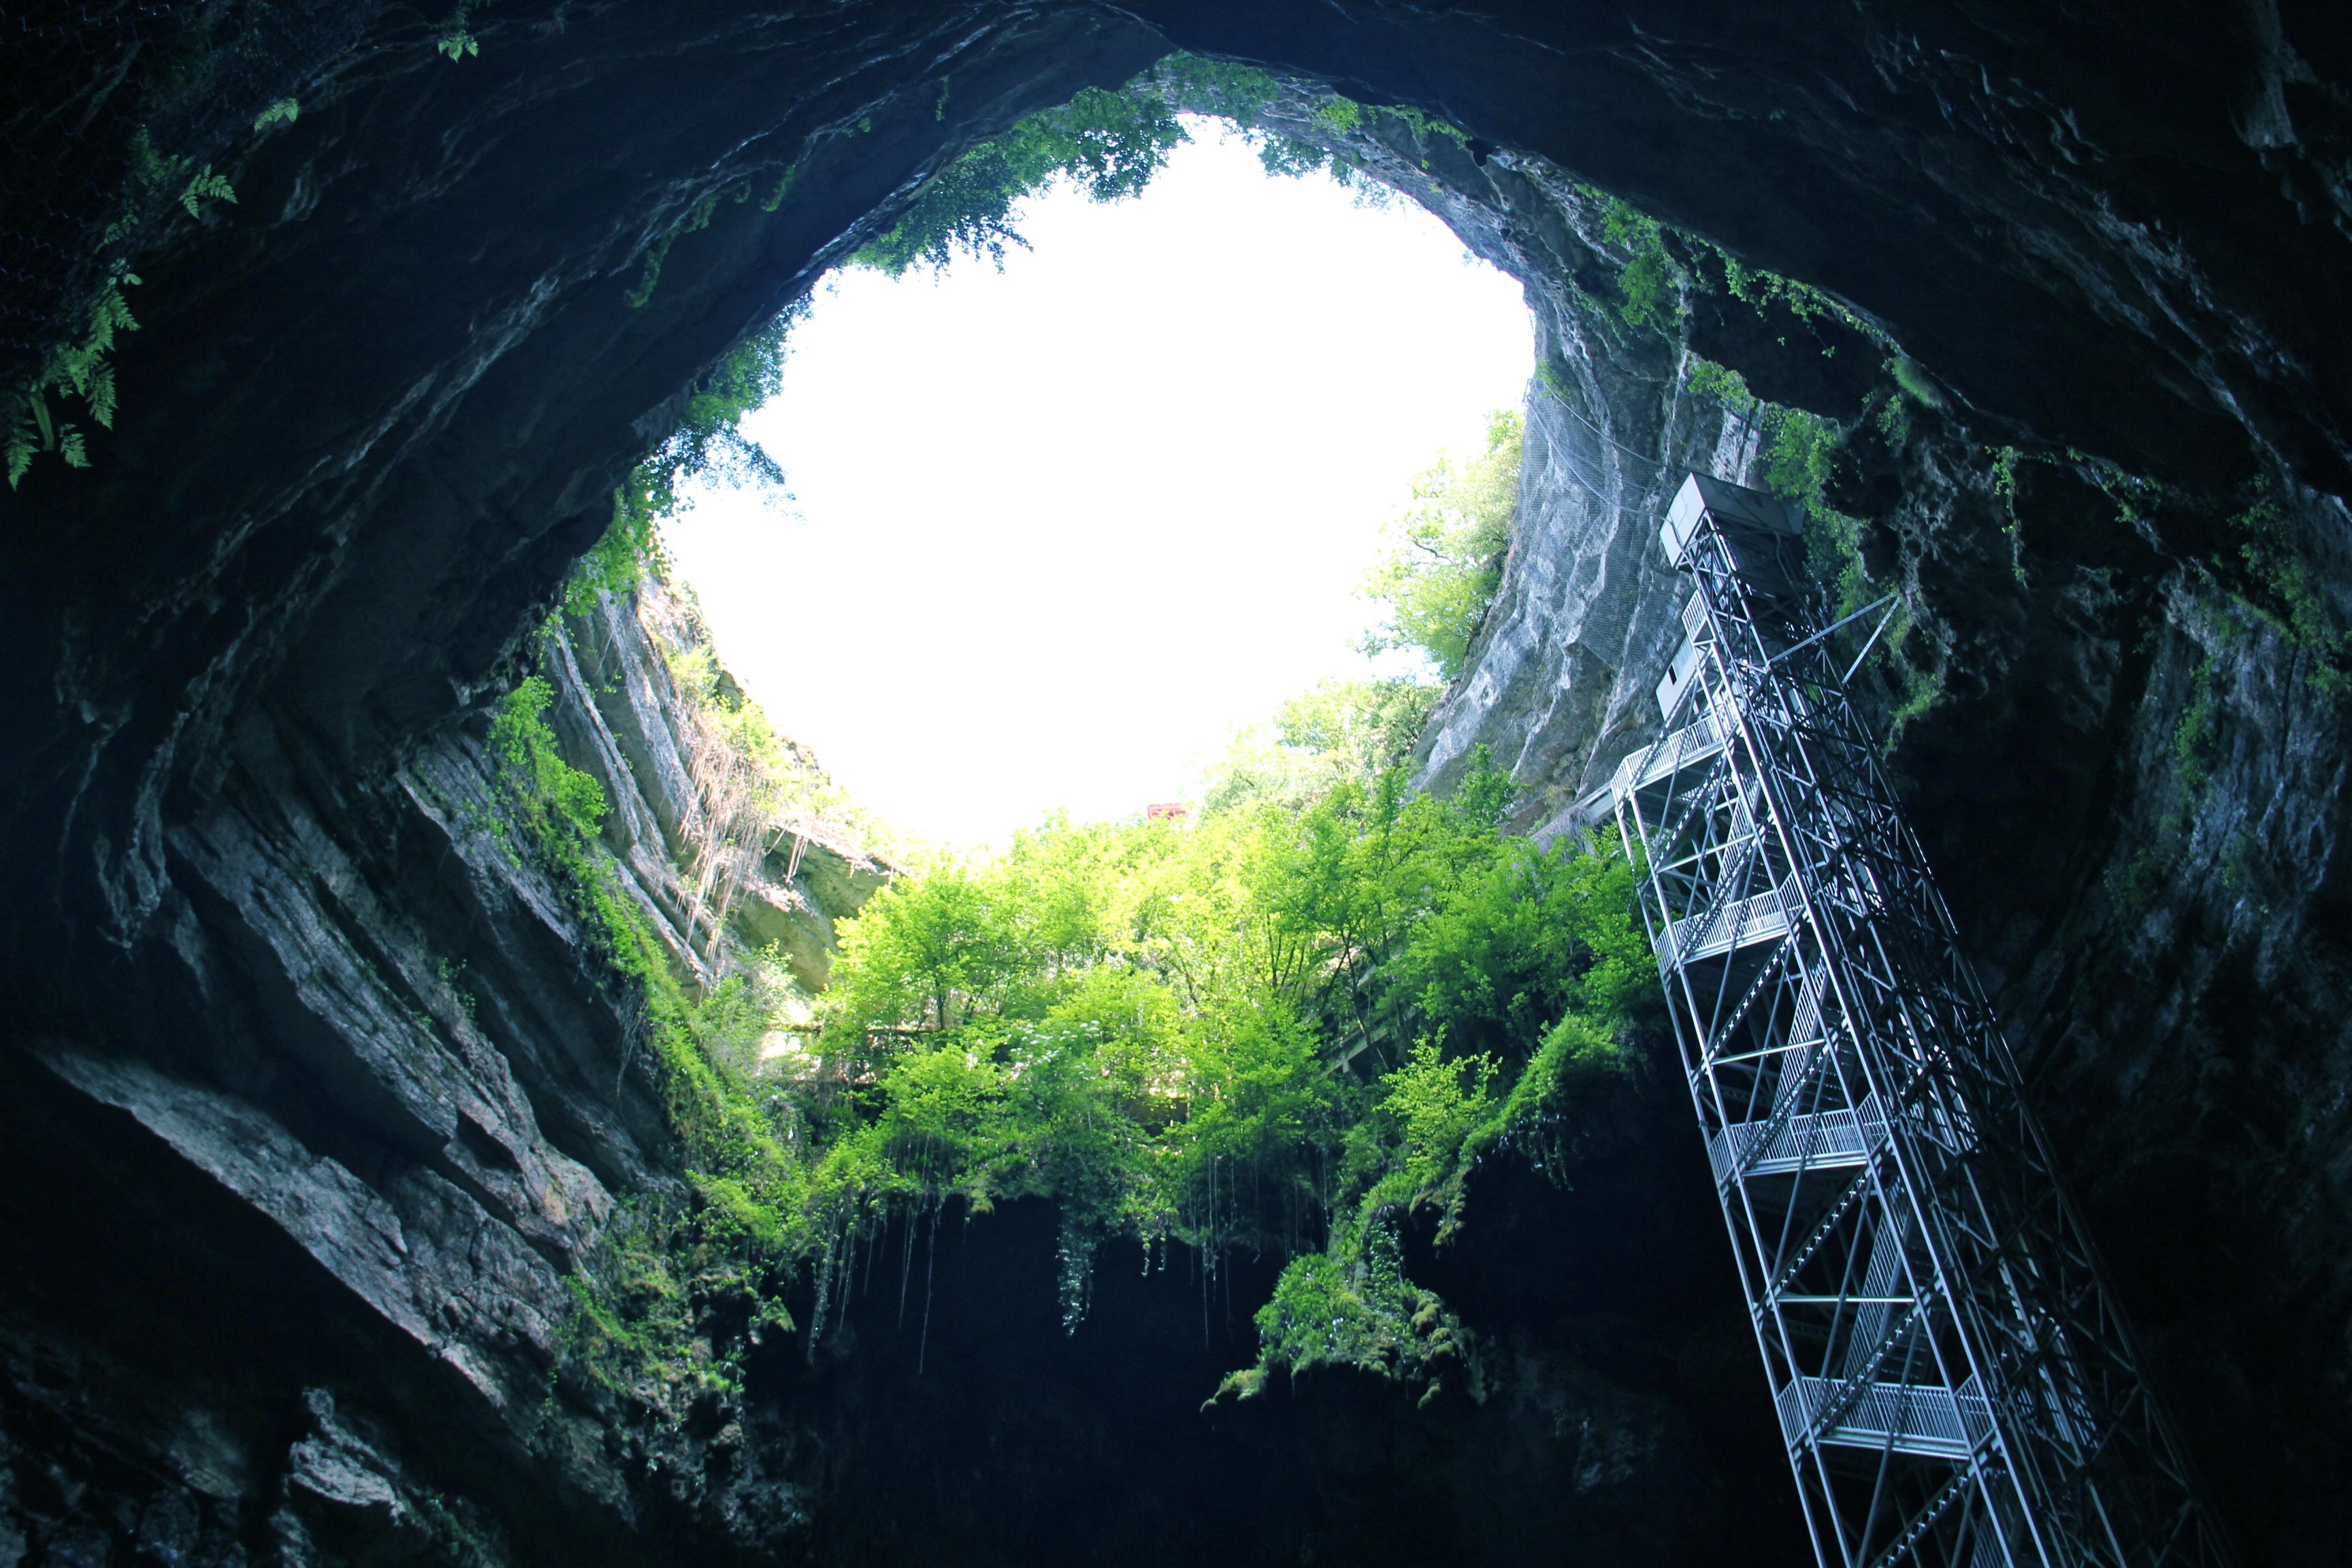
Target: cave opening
[
  {"x": 1059, "y": 521},
  {"x": 323, "y": 1092},
  {"x": 1114, "y": 1062}
]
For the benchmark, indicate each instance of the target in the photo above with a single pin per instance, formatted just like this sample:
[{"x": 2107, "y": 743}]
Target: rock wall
[
  {"x": 2129, "y": 774},
  {"x": 259, "y": 1142},
  {"x": 409, "y": 1106},
  {"x": 622, "y": 719}
]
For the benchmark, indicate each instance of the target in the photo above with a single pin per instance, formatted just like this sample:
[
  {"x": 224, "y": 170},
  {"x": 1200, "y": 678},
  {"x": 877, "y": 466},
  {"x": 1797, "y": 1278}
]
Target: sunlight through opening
[{"x": 1055, "y": 533}]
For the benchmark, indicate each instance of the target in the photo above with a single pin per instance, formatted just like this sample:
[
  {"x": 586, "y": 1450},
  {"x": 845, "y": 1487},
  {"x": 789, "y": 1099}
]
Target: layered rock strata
[{"x": 258, "y": 1143}]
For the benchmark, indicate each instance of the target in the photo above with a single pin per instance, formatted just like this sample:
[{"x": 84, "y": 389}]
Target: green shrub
[
  {"x": 1188, "y": 1031},
  {"x": 1647, "y": 280}
]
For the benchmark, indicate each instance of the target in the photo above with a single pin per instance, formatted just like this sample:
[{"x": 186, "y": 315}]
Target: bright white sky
[{"x": 1059, "y": 531}]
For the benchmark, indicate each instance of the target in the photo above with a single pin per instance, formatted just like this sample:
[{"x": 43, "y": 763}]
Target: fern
[
  {"x": 79, "y": 368},
  {"x": 284, "y": 111},
  {"x": 204, "y": 185},
  {"x": 22, "y": 445}
]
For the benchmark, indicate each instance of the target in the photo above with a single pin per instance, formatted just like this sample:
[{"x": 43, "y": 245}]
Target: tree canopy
[{"x": 1283, "y": 1023}]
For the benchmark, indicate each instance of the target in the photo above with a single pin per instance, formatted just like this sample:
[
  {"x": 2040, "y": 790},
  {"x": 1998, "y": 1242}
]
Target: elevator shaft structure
[{"x": 1954, "y": 1387}]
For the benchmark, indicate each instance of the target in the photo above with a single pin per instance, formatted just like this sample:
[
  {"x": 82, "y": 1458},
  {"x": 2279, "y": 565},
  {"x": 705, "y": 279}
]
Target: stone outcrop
[{"x": 623, "y": 720}]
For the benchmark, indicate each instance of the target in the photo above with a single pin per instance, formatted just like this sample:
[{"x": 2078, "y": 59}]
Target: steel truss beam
[{"x": 1954, "y": 1386}]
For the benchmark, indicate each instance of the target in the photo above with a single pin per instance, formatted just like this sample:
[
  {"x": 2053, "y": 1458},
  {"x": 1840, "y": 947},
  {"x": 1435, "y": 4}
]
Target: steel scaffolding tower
[{"x": 1953, "y": 1385}]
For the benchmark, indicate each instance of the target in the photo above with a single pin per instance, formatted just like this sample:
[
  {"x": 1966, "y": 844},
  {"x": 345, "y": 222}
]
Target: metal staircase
[{"x": 1953, "y": 1386}]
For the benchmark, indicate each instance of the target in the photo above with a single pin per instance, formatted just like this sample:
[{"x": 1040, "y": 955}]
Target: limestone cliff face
[
  {"x": 412, "y": 1102},
  {"x": 289, "y": 1193},
  {"x": 2130, "y": 773},
  {"x": 623, "y": 719},
  {"x": 1562, "y": 675}
]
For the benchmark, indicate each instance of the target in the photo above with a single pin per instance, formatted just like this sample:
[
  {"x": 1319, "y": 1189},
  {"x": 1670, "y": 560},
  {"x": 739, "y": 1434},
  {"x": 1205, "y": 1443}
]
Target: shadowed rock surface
[{"x": 311, "y": 1099}]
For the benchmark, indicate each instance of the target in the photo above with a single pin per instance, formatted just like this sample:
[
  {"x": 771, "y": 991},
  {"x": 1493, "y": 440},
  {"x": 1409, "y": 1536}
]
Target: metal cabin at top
[{"x": 1953, "y": 1384}]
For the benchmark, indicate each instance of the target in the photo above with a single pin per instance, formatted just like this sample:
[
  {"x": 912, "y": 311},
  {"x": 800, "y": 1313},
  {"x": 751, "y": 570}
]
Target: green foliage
[
  {"x": 1756, "y": 287},
  {"x": 1797, "y": 460},
  {"x": 1341, "y": 115},
  {"x": 1236, "y": 93},
  {"x": 696, "y": 219},
  {"x": 629, "y": 546},
  {"x": 79, "y": 367},
  {"x": 630, "y": 1329},
  {"x": 1659, "y": 266},
  {"x": 1445, "y": 561},
  {"x": 2287, "y": 596},
  {"x": 1722, "y": 384},
  {"x": 561, "y": 807},
  {"x": 2004, "y": 484},
  {"x": 1358, "y": 727},
  {"x": 2136, "y": 883},
  {"x": 1799, "y": 449},
  {"x": 1285, "y": 1020},
  {"x": 1892, "y": 419},
  {"x": 707, "y": 443},
  {"x": 1145, "y": 1020},
  {"x": 1340, "y": 730},
  {"x": 1109, "y": 143},
  {"x": 1434, "y": 1104},
  {"x": 1913, "y": 381},
  {"x": 455, "y": 37},
  {"x": 2004, "y": 471},
  {"x": 1290, "y": 1022},
  {"x": 1646, "y": 280},
  {"x": 1245, "y": 96},
  {"x": 203, "y": 185},
  {"x": 2136, "y": 496},
  {"x": 157, "y": 176},
  {"x": 2192, "y": 746},
  {"x": 1426, "y": 125},
  {"x": 778, "y": 784},
  {"x": 1922, "y": 690},
  {"x": 1352, "y": 1306}
]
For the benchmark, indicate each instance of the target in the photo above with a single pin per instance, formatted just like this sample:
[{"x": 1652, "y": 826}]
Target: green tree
[
  {"x": 1445, "y": 561},
  {"x": 1284, "y": 1024}
]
